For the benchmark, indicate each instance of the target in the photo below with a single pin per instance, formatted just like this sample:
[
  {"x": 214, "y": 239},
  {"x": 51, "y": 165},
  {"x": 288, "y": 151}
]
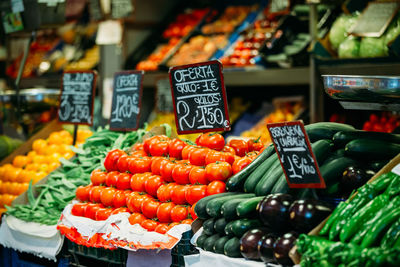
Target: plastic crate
[
  {"x": 12, "y": 258},
  {"x": 184, "y": 247},
  {"x": 117, "y": 256}
]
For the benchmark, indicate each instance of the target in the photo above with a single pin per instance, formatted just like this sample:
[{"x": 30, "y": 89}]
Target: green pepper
[
  {"x": 332, "y": 218},
  {"x": 391, "y": 235},
  {"x": 361, "y": 216},
  {"x": 393, "y": 189}
]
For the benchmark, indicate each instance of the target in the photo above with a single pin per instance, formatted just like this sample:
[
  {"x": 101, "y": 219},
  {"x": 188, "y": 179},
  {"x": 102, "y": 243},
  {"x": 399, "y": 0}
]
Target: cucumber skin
[
  {"x": 208, "y": 244},
  {"x": 239, "y": 227},
  {"x": 228, "y": 229},
  {"x": 371, "y": 149},
  {"x": 232, "y": 248},
  {"x": 208, "y": 226},
  {"x": 332, "y": 170},
  {"x": 228, "y": 209},
  {"x": 220, "y": 244},
  {"x": 342, "y": 138},
  {"x": 200, "y": 208},
  {"x": 248, "y": 207},
  {"x": 213, "y": 207},
  {"x": 258, "y": 173},
  {"x": 200, "y": 240},
  {"x": 281, "y": 186},
  {"x": 217, "y": 226},
  {"x": 325, "y": 130}
]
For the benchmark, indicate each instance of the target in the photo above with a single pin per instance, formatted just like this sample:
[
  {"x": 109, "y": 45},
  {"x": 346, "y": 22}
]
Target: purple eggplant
[
  {"x": 282, "y": 247},
  {"x": 353, "y": 177},
  {"x": 249, "y": 243},
  {"x": 305, "y": 214},
  {"x": 274, "y": 211},
  {"x": 266, "y": 247}
]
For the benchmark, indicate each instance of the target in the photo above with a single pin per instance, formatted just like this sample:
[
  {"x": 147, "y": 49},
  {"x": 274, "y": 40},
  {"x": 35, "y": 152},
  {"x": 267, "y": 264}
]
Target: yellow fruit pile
[{"x": 43, "y": 159}]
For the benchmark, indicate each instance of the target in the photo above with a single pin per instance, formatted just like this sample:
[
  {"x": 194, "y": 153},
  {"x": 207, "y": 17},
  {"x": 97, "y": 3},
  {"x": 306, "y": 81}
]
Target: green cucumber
[
  {"x": 281, "y": 185},
  {"x": 228, "y": 229},
  {"x": 332, "y": 171},
  {"x": 208, "y": 226},
  {"x": 220, "y": 243},
  {"x": 248, "y": 208},
  {"x": 232, "y": 248},
  {"x": 200, "y": 208},
  {"x": 219, "y": 226},
  {"x": 200, "y": 240},
  {"x": 369, "y": 149},
  {"x": 236, "y": 182},
  {"x": 334, "y": 155},
  {"x": 322, "y": 149},
  {"x": 208, "y": 244},
  {"x": 213, "y": 207},
  {"x": 228, "y": 209},
  {"x": 239, "y": 227},
  {"x": 268, "y": 182},
  {"x": 258, "y": 173},
  {"x": 325, "y": 130},
  {"x": 342, "y": 138}
]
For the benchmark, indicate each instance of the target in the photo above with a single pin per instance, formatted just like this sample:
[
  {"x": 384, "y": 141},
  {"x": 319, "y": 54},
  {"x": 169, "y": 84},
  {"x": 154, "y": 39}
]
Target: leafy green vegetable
[
  {"x": 373, "y": 47},
  {"x": 349, "y": 48},
  {"x": 340, "y": 29}
]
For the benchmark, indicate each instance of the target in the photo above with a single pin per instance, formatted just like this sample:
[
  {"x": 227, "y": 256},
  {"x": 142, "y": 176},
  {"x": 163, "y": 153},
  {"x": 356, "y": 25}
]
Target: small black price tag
[
  {"x": 77, "y": 96},
  {"x": 126, "y": 101},
  {"x": 295, "y": 154},
  {"x": 199, "y": 97}
]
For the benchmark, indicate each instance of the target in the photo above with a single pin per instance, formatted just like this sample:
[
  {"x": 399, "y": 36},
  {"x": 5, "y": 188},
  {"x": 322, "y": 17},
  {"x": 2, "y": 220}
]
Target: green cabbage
[
  {"x": 393, "y": 30},
  {"x": 349, "y": 48},
  {"x": 340, "y": 29},
  {"x": 373, "y": 47}
]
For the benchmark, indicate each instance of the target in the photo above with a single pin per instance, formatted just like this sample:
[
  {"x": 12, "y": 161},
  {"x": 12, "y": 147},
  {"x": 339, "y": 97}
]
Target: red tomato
[
  {"x": 138, "y": 180},
  {"x": 138, "y": 154},
  {"x": 179, "y": 213},
  {"x": 198, "y": 156},
  {"x": 239, "y": 146},
  {"x": 186, "y": 151},
  {"x": 112, "y": 178},
  {"x": 192, "y": 213},
  {"x": 187, "y": 221},
  {"x": 211, "y": 140},
  {"x": 216, "y": 187},
  {"x": 83, "y": 193},
  {"x": 178, "y": 194},
  {"x": 119, "y": 210},
  {"x": 98, "y": 177},
  {"x": 218, "y": 171},
  {"x": 160, "y": 147},
  {"x": 123, "y": 163},
  {"x": 197, "y": 175},
  {"x": 164, "y": 192},
  {"x": 110, "y": 162},
  {"x": 164, "y": 212},
  {"x": 119, "y": 199},
  {"x": 107, "y": 196},
  {"x": 240, "y": 164},
  {"x": 94, "y": 194},
  {"x": 149, "y": 225},
  {"x": 136, "y": 218},
  {"x": 124, "y": 181},
  {"x": 152, "y": 184},
  {"x": 175, "y": 148},
  {"x": 140, "y": 165},
  {"x": 156, "y": 164},
  {"x": 148, "y": 141},
  {"x": 91, "y": 209},
  {"x": 180, "y": 173},
  {"x": 171, "y": 225},
  {"x": 136, "y": 203},
  {"x": 195, "y": 193},
  {"x": 137, "y": 147},
  {"x": 229, "y": 149},
  {"x": 78, "y": 209},
  {"x": 149, "y": 208},
  {"x": 129, "y": 200},
  {"x": 166, "y": 171},
  {"x": 214, "y": 156},
  {"x": 162, "y": 228},
  {"x": 255, "y": 144},
  {"x": 102, "y": 214}
]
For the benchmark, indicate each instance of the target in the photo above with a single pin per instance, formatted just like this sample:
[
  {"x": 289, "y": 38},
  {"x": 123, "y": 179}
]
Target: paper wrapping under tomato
[{"x": 116, "y": 232}]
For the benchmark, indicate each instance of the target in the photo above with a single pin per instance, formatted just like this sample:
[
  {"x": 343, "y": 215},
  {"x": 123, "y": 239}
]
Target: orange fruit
[
  {"x": 53, "y": 148},
  {"x": 7, "y": 188},
  {"x": 12, "y": 173},
  {"x": 39, "y": 146},
  {"x": 21, "y": 161},
  {"x": 32, "y": 167},
  {"x": 54, "y": 165},
  {"x": 31, "y": 154},
  {"x": 39, "y": 159},
  {"x": 14, "y": 189},
  {"x": 21, "y": 176},
  {"x": 24, "y": 187},
  {"x": 1, "y": 202},
  {"x": 64, "y": 134},
  {"x": 38, "y": 176},
  {"x": 55, "y": 138},
  {"x": 68, "y": 155}
]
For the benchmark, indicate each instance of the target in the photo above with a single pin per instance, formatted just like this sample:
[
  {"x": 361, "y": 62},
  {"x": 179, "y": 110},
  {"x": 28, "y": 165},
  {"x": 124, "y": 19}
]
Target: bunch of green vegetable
[{"x": 60, "y": 187}]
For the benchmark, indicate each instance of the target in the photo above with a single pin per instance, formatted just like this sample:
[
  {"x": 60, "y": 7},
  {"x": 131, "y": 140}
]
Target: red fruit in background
[
  {"x": 149, "y": 225},
  {"x": 119, "y": 199},
  {"x": 218, "y": 171},
  {"x": 164, "y": 192},
  {"x": 94, "y": 194},
  {"x": 367, "y": 126},
  {"x": 149, "y": 208},
  {"x": 83, "y": 193},
  {"x": 162, "y": 228},
  {"x": 198, "y": 175},
  {"x": 137, "y": 147},
  {"x": 119, "y": 210},
  {"x": 214, "y": 156},
  {"x": 102, "y": 214},
  {"x": 129, "y": 200},
  {"x": 175, "y": 148},
  {"x": 159, "y": 147},
  {"x": 110, "y": 162},
  {"x": 138, "y": 154},
  {"x": 195, "y": 192},
  {"x": 107, "y": 196},
  {"x": 229, "y": 149},
  {"x": 198, "y": 156},
  {"x": 166, "y": 171},
  {"x": 156, "y": 164},
  {"x": 149, "y": 141},
  {"x": 192, "y": 213},
  {"x": 152, "y": 184},
  {"x": 78, "y": 209},
  {"x": 373, "y": 118},
  {"x": 186, "y": 151},
  {"x": 164, "y": 212},
  {"x": 179, "y": 213},
  {"x": 124, "y": 181},
  {"x": 239, "y": 146},
  {"x": 138, "y": 180},
  {"x": 216, "y": 187},
  {"x": 123, "y": 163},
  {"x": 211, "y": 140},
  {"x": 112, "y": 178},
  {"x": 240, "y": 164},
  {"x": 136, "y": 203},
  {"x": 136, "y": 218},
  {"x": 187, "y": 221},
  {"x": 91, "y": 209},
  {"x": 140, "y": 165},
  {"x": 98, "y": 177},
  {"x": 178, "y": 194},
  {"x": 180, "y": 173},
  {"x": 255, "y": 144}
]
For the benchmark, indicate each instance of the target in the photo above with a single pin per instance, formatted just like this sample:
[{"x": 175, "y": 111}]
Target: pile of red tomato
[{"x": 161, "y": 179}]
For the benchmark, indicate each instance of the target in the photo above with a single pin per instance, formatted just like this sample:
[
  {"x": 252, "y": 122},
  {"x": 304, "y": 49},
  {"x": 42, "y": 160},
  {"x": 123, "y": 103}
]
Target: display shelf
[{"x": 368, "y": 68}]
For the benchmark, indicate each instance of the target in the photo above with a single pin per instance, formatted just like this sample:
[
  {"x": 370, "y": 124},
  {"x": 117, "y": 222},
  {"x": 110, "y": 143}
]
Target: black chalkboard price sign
[
  {"x": 295, "y": 154},
  {"x": 76, "y": 99},
  {"x": 126, "y": 102},
  {"x": 199, "y": 97}
]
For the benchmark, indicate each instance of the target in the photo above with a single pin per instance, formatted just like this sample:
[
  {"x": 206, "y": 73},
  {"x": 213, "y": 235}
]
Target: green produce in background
[
  {"x": 8, "y": 145},
  {"x": 393, "y": 30},
  {"x": 349, "y": 48},
  {"x": 340, "y": 28},
  {"x": 373, "y": 47}
]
